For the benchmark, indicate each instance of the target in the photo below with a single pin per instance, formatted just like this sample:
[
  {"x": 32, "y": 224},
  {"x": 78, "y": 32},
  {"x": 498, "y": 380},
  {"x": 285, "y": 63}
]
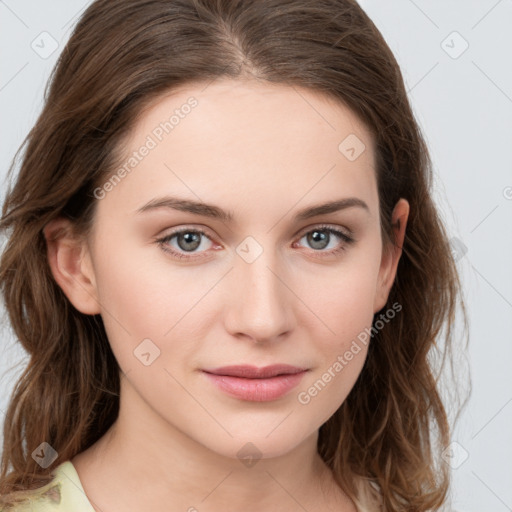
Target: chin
[{"x": 252, "y": 445}]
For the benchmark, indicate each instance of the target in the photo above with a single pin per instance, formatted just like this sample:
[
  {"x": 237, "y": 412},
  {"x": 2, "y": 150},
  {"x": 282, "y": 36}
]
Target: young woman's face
[{"x": 255, "y": 278}]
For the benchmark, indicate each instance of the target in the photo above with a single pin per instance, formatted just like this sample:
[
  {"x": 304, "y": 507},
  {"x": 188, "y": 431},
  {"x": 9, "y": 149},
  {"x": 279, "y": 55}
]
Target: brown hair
[{"x": 124, "y": 54}]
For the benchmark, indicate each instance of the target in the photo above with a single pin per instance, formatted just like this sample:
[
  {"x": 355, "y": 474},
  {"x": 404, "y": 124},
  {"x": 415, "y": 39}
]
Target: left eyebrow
[
  {"x": 331, "y": 207},
  {"x": 215, "y": 212}
]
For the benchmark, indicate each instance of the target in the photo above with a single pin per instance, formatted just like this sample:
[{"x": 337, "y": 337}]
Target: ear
[
  {"x": 391, "y": 255},
  {"x": 71, "y": 265}
]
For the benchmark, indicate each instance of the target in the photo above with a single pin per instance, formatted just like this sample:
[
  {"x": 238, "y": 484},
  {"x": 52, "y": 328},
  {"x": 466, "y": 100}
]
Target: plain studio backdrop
[{"x": 456, "y": 60}]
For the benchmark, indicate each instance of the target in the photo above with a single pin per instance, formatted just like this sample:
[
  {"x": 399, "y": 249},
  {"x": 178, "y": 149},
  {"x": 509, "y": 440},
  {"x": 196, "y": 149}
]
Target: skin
[{"x": 263, "y": 152}]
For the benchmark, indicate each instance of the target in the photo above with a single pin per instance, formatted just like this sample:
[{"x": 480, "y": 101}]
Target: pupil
[
  {"x": 190, "y": 238},
  {"x": 318, "y": 237}
]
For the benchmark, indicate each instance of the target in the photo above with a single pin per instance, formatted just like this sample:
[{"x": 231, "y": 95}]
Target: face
[{"x": 260, "y": 277}]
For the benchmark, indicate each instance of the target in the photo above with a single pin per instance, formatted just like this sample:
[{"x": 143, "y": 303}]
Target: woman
[{"x": 228, "y": 270}]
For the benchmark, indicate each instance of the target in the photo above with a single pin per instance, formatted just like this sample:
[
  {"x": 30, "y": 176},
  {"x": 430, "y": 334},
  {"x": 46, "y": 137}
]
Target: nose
[{"x": 260, "y": 308}]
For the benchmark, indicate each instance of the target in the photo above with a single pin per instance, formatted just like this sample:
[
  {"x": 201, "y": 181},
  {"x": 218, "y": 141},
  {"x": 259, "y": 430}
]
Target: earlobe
[
  {"x": 391, "y": 255},
  {"x": 70, "y": 264}
]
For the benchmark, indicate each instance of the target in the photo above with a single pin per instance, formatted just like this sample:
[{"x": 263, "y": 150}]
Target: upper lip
[{"x": 253, "y": 372}]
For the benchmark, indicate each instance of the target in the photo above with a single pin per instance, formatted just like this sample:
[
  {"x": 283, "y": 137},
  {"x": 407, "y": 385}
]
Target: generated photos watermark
[
  {"x": 305, "y": 397},
  {"x": 156, "y": 136}
]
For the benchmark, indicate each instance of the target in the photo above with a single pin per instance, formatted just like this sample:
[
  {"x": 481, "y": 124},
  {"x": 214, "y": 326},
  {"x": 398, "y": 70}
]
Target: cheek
[
  {"x": 143, "y": 296},
  {"x": 130, "y": 293},
  {"x": 349, "y": 317},
  {"x": 342, "y": 300},
  {"x": 341, "y": 341},
  {"x": 340, "y": 332}
]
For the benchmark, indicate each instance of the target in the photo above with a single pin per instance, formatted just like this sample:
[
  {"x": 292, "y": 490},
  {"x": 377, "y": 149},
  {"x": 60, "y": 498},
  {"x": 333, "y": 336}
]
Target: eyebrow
[{"x": 214, "y": 212}]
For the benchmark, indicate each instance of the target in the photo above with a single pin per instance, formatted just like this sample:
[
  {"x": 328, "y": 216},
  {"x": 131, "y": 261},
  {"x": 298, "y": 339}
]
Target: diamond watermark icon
[
  {"x": 454, "y": 45},
  {"x": 249, "y": 455},
  {"x": 249, "y": 249},
  {"x": 44, "y": 455},
  {"x": 352, "y": 147},
  {"x": 44, "y": 45},
  {"x": 146, "y": 352},
  {"x": 454, "y": 455},
  {"x": 458, "y": 248}
]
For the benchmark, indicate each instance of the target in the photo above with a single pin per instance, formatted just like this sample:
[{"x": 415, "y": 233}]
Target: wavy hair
[{"x": 122, "y": 56}]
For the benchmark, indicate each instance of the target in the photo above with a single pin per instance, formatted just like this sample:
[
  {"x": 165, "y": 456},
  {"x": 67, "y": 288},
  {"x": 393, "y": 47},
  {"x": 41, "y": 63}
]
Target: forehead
[
  {"x": 245, "y": 139},
  {"x": 227, "y": 110}
]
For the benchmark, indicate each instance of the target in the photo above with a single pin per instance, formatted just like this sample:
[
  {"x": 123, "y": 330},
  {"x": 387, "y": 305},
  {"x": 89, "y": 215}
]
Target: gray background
[{"x": 462, "y": 98}]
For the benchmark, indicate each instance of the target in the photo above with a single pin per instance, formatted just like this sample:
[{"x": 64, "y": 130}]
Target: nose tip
[{"x": 260, "y": 306}]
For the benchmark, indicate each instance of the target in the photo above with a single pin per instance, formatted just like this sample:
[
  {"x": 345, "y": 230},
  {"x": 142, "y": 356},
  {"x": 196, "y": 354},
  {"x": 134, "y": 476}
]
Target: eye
[
  {"x": 321, "y": 237},
  {"x": 188, "y": 241}
]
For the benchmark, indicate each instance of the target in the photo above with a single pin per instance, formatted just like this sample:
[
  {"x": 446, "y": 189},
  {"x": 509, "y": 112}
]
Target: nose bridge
[{"x": 260, "y": 306}]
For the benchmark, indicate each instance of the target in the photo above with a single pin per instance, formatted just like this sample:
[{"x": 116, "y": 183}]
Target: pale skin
[{"x": 262, "y": 152}]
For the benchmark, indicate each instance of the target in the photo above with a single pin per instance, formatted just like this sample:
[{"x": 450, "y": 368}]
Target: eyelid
[{"x": 321, "y": 226}]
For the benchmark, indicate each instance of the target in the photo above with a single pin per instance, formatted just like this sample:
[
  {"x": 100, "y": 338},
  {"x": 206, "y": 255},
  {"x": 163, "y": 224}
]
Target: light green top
[
  {"x": 63, "y": 494},
  {"x": 66, "y": 494}
]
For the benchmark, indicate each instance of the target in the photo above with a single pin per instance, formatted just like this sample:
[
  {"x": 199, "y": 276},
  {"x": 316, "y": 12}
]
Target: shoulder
[{"x": 63, "y": 494}]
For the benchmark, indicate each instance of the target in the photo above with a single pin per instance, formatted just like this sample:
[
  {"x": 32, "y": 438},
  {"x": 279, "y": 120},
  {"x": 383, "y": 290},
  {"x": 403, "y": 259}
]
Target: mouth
[{"x": 255, "y": 384}]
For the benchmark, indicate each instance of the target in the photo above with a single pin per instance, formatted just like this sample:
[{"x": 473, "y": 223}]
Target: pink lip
[{"x": 256, "y": 384}]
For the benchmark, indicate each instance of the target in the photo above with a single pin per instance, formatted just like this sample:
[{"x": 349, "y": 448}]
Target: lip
[
  {"x": 256, "y": 384},
  {"x": 253, "y": 372}
]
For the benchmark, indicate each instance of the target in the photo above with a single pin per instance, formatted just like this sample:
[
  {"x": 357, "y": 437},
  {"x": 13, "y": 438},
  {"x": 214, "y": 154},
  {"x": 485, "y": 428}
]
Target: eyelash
[{"x": 347, "y": 239}]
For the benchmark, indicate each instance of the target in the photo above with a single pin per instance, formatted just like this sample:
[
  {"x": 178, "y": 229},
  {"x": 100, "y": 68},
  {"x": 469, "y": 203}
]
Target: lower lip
[{"x": 256, "y": 390}]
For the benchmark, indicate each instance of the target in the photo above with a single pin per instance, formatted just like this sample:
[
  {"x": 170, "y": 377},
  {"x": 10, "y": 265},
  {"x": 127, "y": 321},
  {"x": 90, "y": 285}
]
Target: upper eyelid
[{"x": 325, "y": 226}]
